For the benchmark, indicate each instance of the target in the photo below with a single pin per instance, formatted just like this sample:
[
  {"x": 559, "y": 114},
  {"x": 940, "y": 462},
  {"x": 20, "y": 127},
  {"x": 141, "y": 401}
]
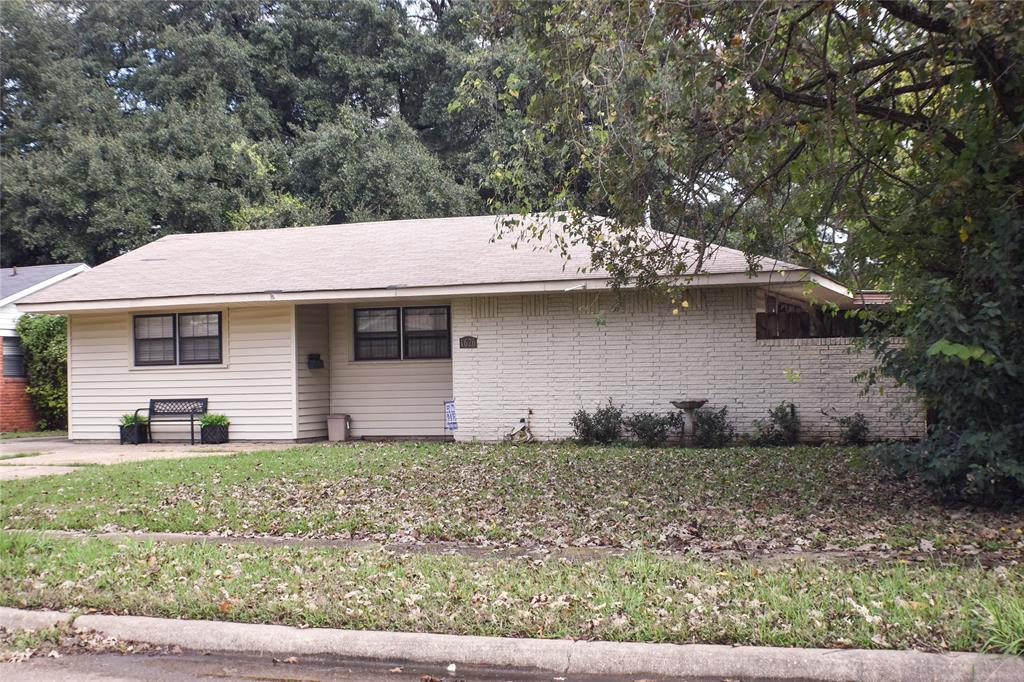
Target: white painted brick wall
[{"x": 555, "y": 358}]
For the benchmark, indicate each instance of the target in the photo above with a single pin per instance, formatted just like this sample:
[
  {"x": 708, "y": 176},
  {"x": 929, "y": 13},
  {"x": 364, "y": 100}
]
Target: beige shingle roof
[{"x": 433, "y": 252}]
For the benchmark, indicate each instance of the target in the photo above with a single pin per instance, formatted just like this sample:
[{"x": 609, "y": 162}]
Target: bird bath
[{"x": 689, "y": 407}]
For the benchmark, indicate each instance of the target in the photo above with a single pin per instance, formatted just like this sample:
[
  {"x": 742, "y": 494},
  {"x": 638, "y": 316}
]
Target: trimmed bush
[
  {"x": 711, "y": 428},
  {"x": 781, "y": 428},
  {"x": 650, "y": 428},
  {"x": 603, "y": 426},
  {"x": 854, "y": 429}
]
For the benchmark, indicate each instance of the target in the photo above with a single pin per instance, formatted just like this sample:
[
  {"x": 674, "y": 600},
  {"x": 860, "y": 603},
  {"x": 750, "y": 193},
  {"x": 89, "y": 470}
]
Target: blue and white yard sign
[{"x": 450, "y": 422}]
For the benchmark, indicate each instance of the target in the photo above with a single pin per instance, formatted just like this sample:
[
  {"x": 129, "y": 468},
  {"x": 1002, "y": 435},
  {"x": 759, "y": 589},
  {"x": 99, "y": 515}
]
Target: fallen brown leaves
[
  {"x": 65, "y": 640},
  {"x": 743, "y": 502}
]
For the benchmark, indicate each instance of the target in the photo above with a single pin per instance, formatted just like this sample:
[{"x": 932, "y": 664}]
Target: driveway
[{"x": 31, "y": 457}]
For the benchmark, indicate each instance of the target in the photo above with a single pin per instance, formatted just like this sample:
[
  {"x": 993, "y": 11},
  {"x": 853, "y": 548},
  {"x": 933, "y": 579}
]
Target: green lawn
[
  {"x": 11, "y": 435},
  {"x": 746, "y": 500},
  {"x": 641, "y": 597},
  {"x": 919, "y": 575}
]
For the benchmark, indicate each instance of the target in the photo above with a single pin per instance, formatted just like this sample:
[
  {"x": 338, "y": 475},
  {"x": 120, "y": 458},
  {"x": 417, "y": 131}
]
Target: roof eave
[
  {"x": 486, "y": 289},
  {"x": 39, "y": 286}
]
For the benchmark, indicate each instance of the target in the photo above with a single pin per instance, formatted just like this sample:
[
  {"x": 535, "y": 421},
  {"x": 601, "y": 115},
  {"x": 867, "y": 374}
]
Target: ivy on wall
[{"x": 45, "y": 340}]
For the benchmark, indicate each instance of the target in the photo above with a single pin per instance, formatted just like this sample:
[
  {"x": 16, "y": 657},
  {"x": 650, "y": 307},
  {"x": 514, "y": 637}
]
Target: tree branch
[
  {"x": 915, "y": 121},
  {"x": 910, "y": 14}
]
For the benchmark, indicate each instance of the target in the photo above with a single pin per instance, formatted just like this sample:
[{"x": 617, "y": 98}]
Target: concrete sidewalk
[
  {"x": 49, "y": 456},
  {"x": 565, "y": 657}
]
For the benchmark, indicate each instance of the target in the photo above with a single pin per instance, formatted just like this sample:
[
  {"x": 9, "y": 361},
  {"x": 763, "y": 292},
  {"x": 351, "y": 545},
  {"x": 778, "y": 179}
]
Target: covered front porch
[{"x": 386, "y": 365}]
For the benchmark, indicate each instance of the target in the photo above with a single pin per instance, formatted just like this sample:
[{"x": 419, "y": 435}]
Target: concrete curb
[
  {"x": 19, "y": 619},
  {"x": 565, "y": 656}
]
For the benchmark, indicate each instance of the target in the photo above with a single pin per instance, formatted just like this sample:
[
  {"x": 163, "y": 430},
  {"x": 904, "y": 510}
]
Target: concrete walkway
[
  {"x": 566, "y": 658},
  {"x": 30, "y": 457}
]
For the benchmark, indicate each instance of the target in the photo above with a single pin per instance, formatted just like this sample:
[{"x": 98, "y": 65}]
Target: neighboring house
[
  {"x": 386, "y": 321},
  {"x": 16, "y": 413}
]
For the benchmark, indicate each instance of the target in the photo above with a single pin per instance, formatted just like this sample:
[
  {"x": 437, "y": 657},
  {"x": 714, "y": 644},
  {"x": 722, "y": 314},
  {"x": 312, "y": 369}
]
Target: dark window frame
[
  {"x": 429, "y": 334},
  {"x": 136, "y": 339},
  {"x": 219, "y": 337},
  {"x": 401, "y": 334},
  {"x": 14, "y": 369},
  {"x": 176, "y": 337},
  {"x": 357, "y": 335}
]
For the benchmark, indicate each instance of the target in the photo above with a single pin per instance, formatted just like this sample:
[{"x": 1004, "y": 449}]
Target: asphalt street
[{"x": 188, "y": 666}]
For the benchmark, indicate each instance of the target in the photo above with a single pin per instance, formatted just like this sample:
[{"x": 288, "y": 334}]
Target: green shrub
[
  {"x": 214, "y": 419},
  {"x": 650, "y": 428},
  {"x": 131, "y": 418},
  {"x": 711, "y": 428},
  {"x": 976, "y": 465},
  {"x": 603, "y": 426},
  {"x": 45, "y": 339},
  {"x": 854, "y": 429},
  {"x": 781, "y": 428}
]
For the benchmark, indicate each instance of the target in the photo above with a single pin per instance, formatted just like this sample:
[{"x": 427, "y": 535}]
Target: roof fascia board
[
  {"x": 15, "y": 297},
  {"x": 504, "y": 288}
]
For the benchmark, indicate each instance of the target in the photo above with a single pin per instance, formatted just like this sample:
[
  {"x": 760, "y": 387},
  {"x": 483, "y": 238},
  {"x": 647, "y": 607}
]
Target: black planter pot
[
  {"x": 217, "y": 433},
  {"x": 133, "y": 434}
]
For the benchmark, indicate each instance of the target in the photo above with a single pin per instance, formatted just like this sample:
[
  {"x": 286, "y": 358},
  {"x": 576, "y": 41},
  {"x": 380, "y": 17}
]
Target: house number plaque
[{"x": 467, "y": 342}]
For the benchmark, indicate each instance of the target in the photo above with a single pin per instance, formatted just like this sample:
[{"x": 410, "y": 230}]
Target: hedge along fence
[{"x": 45, "y": 340}]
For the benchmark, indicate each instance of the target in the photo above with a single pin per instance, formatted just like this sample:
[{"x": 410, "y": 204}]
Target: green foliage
[
  {"x": 214, "y": 419},
  {"x": 650, "y": 429},
  {"x": 45, "y": 340},
  {"x": 364, "y": 170},
  {"x": 603, "y": 426},
  {"x": 781, "y": 428},
  {"x": 975, "y": 445},
  {"x": 133, "y": 418},
  {"x": 982, "y": 466},
  {"x": 193, "y": 116},
  {"x": 711, "y": 428},
  {"x": 854, "y": 429}
]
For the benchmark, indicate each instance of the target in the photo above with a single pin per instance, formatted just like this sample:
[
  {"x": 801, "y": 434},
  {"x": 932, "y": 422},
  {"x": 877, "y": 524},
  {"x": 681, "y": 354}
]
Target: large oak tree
[{"x": 882, "y": 142}]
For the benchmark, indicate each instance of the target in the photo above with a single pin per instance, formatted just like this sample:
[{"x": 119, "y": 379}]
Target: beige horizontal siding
[
  {"x": 255, "y": 387},
  {"x": 313, "y": 385},
  {"x": 385, "y": 398}
]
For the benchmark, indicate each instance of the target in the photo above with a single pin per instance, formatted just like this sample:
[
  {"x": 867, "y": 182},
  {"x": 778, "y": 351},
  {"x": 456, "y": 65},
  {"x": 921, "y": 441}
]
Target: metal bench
[{"x": 179, "y": 410}]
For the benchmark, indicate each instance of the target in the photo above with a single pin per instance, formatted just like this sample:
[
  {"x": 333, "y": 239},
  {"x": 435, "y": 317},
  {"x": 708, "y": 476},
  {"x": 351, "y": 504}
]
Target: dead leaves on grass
[{"x": 736, "y": 502}]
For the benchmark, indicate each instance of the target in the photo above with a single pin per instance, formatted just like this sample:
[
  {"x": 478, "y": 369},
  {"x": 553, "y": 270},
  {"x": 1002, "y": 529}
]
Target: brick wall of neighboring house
[
  {"x": 558, "y": 353},
  {"x": 16, "y": 413}
]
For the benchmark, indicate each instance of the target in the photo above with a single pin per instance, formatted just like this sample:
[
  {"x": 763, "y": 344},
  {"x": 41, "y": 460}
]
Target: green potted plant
[
  {"x": 134, "y": 428},
  {"x": 214, "y": 428}
]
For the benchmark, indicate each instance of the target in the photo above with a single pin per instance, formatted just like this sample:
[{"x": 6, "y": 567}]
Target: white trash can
[{"x": 338, "y": 426}]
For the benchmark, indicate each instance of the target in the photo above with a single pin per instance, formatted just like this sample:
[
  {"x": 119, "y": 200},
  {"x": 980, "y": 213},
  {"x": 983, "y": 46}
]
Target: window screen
[
  {"x": 199, "y": 338},
  {"x": 154, "y": 340},
  {"x": 14, "y": 357},
  {"x": 426, "y": 333},
  {"x": 377, "y": 334}
]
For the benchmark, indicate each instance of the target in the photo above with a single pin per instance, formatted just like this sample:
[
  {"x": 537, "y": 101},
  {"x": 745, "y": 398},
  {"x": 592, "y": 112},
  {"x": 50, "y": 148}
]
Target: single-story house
[
  {"x": 386, "y": 321},
  {"x": 16, "y": 412}
]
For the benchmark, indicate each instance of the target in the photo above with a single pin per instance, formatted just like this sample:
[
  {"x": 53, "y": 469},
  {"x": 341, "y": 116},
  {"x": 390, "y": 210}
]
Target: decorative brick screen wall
[
  {"x": 16, "y": 413},
  {"x": 578, "y": 349}
]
